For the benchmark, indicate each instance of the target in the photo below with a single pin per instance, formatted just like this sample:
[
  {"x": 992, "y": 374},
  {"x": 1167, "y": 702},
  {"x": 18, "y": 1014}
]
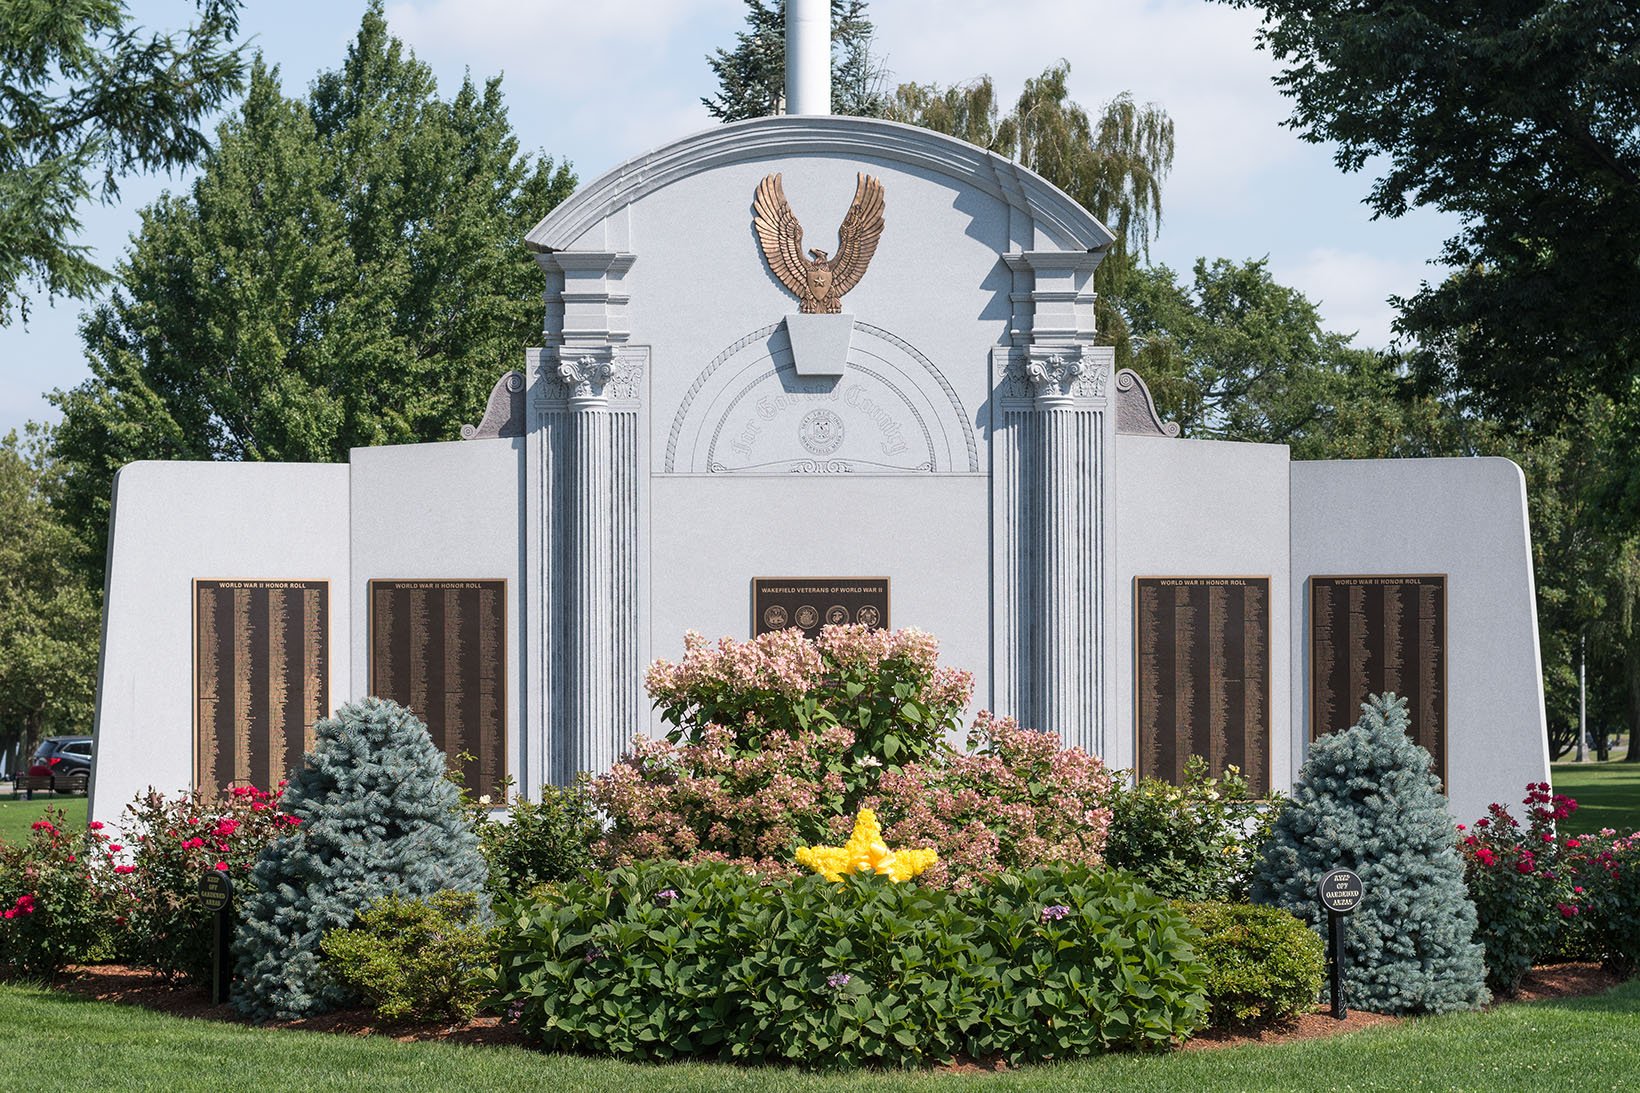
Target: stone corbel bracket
[
  {"x": 504, "y": 414},
  {"x": 1136, "y": 410}
]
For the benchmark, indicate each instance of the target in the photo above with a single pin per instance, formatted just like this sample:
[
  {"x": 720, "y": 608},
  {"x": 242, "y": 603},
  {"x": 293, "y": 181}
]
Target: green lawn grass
[
  {"x": 1607, "y": 794},
  {"x": 73, "y": 1044},
  {"x": 16, "y": 816}
]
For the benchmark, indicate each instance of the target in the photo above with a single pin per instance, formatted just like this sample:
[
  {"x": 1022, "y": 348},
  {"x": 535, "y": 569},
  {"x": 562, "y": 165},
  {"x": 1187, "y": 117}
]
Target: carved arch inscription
[{"x": 890, "y": 412}]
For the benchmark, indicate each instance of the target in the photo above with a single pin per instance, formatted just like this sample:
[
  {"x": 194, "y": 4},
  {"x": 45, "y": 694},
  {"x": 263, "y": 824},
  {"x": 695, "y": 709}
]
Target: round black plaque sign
[
  {"x": 1341, "y": 891},
  {"x": 215, "y": 891}
]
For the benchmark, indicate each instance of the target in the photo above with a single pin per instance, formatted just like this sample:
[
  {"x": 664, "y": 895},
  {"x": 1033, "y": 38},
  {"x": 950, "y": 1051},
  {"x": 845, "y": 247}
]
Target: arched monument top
[{"x": 1059, "y": 221}]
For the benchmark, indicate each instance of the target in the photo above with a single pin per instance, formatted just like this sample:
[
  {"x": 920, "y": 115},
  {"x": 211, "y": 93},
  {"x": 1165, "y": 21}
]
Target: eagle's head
[{"x": 817, "y": 255}]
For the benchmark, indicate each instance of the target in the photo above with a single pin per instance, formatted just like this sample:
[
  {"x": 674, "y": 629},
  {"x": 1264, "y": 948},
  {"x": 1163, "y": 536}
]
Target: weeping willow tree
[{"x": 1113, "y": 164}]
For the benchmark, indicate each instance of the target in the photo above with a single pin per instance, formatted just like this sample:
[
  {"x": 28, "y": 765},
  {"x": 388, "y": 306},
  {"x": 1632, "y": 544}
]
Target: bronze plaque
[
  {"x": 808, "y": 603},
  {"x": 1202, "y": 658},
  {"x": 1370, "y": 634},
  {"x": 261, "y": 679},
  {"x": 439, "y": 649}
]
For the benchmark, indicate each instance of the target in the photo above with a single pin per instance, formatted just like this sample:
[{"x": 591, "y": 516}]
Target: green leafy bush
[
  {"x": 416, "y": 959},
  {"x": 172, "y": 843},
  {"x": 662, "y": 960},
  {"x": 1366, "y": 800},
  {"x": 55, "y": 908},
  {"x": 376, "y": 817},
  {"x": 1196, "y": 841},
  {"x": 1263, "y": 965},
  {"x": 539, "y": 841}
]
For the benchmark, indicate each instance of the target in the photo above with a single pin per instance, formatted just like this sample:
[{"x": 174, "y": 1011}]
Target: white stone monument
[{"x": 721, "y": 396}]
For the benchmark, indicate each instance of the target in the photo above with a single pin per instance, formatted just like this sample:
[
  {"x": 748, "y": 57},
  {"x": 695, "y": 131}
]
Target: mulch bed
[
  {"x": 1541, "y": 984},
  {"x": 132, "y": 986},
  {"x": 135, "y": 987}
]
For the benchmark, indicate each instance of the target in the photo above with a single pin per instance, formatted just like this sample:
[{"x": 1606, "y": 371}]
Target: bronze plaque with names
[
  {"x": 261, "y": 679},
  {"x": 1202, "y": 662},
  {"x": 808, "y": 603},
  {"x": 1375, "y": 633},
  {"x": 439, "y": 649}
]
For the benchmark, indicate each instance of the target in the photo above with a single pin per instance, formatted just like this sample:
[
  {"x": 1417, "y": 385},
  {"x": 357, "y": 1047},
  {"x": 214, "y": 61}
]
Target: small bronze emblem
[{"x": 819, "y": 284}]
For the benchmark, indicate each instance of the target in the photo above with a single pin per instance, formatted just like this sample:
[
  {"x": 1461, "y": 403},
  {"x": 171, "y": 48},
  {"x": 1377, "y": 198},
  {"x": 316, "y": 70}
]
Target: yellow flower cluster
[{"x": 865, "y": 852}]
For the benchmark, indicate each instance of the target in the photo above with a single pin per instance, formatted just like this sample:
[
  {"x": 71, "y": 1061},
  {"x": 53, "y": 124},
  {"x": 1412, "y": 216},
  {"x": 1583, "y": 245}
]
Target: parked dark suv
[{"x": 66, "y": 760}]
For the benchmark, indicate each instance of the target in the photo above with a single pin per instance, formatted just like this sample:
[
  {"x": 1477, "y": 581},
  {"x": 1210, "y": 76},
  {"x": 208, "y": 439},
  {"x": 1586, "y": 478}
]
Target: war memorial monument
[{"x": 801, "y": 370}]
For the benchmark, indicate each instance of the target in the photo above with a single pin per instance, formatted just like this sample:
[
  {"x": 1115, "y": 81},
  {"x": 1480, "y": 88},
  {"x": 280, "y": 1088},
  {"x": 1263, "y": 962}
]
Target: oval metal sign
[
  {"x": 1341, "y": 891},
  {"x": 215, "y": 891}
]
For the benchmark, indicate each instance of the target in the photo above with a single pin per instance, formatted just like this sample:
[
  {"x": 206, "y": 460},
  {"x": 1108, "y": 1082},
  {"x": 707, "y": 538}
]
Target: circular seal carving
[
  {"x": 807, "y": 617},
  {"x": 775, "y": 618},
  {"x": 836, "y": 615},
  {"x": 868, "y": 616},
  {"x": 820, "y": 431}
]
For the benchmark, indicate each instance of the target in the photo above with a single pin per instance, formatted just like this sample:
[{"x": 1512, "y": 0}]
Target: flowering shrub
[
  {"x": 172, "y": 842},
  {"x": 780, "y": 740},
  {"x": 881, "y": 686},
  {"x": 662, "y": 961},
  {"x": 866, "y": 852},
  {"x": 53, "y": 908},
  {"x": 1600, "y": 894},
  {"x": 1514, "y": 876},
  {"x": 1014, "y": 800},
  {"x": 1195, "y": 841}
]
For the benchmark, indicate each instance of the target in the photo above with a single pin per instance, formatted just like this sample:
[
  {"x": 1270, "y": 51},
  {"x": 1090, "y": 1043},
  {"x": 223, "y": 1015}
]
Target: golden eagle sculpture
[{"x": 819, "y": 283}]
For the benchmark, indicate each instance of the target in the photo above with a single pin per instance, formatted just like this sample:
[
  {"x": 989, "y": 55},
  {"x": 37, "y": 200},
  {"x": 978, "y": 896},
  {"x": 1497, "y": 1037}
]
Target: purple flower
[
  {"x": 1055, "y": 912},
  {"x": 666, "y": 895},
  {"x": 593, "y": 953},
  {"x": 839, "y": 981},
  {"x": 515, "y": 1011}
]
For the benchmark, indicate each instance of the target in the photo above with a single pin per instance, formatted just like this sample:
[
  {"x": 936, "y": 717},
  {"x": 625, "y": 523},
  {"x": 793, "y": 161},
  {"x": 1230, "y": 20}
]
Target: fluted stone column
[
  {"x": 585, "y": 493},
  {"x": 1069, "y": 426},
  {"x": 1053, "y": 500},
  {"x": 593, "y": 410}
]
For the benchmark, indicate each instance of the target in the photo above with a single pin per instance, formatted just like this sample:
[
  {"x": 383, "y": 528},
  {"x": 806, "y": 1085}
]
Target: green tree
[
  {"x": 1233, "y": 355},
  {"x": 48, "y": 618},
  {"x": 752, "y": 76},
  {"x": 1366, "y": 800},
  {"x": 85, "y": 99},
  {"x": 377, "y": 818},
  {"x": 1113, "y": 165},
  {"x": 348, "y": 270},
  {"x": 1521, "y": 119}
]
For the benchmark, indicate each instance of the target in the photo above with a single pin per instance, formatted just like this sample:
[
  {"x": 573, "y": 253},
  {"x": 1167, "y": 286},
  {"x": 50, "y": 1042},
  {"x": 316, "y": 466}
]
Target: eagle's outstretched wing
[
  {"x": 781, "y": 235},
  {"x": 857, "y": 238}
]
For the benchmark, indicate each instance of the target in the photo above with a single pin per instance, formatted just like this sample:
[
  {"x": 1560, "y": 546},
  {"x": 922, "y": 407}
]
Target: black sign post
[
  {"x": 216, "y": 895},
  {"x": 1340, "y": 893}
]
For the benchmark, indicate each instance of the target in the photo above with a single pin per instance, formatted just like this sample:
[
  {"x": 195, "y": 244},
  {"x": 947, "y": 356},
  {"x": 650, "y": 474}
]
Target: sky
[{"x": 598, "y": 83}]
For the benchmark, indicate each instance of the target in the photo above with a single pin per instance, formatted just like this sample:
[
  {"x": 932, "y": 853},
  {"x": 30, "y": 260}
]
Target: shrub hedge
[
  {"x": 661, "y": 960},
  {"x": 1263, "y": 964},
  {"x": 416, "y": 959}
]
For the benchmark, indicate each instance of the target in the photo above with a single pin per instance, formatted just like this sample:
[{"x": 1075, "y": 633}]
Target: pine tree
[
  {"x": 1367, "y": 801},
  {"x": 752, "y": 76},
  {"x": 377, "y": 817}
]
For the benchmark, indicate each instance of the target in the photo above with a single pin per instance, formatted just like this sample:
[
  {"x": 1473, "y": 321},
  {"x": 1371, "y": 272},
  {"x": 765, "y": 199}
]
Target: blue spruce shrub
[
  {"x": 1366, "y": 800},
  {"x": 378, "y": 818}
]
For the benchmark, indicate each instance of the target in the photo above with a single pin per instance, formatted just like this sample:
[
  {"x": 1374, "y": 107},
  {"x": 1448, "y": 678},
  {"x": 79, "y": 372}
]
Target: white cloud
[{"x": 1352, "y": 288}]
